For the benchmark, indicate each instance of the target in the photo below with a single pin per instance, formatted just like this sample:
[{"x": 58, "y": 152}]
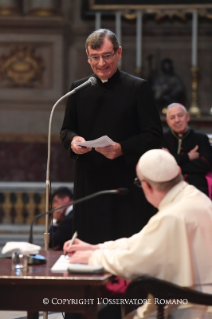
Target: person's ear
[
  {"x": 188, "y": 117},
  {"x": 147, "y": 187}
]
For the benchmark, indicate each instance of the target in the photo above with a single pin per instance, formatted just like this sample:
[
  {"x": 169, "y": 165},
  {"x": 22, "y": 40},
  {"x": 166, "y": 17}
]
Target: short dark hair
[
  {"x": 96, "y": 39},
  {"x": 62, "y": 192}
]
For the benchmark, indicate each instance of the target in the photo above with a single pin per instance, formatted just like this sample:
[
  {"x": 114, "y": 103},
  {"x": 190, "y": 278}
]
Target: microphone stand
[
  {"x": 46, "y": 234},
  {"x": 91, "y": 81}
]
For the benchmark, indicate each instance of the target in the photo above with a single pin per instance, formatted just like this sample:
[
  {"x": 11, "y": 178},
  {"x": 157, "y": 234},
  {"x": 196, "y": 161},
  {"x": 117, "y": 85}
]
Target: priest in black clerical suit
[
  {"x": 120, "y": 106},
  {"x": 191, "y": 149}
]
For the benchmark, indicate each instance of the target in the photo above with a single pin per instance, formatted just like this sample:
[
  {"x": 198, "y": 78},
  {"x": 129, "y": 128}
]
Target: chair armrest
[{"x": 161, "y": 289}]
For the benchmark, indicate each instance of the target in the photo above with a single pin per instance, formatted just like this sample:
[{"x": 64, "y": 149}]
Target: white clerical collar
[
  {"x": 103, "y": 81},
  {"x": 68, "y": 210}
]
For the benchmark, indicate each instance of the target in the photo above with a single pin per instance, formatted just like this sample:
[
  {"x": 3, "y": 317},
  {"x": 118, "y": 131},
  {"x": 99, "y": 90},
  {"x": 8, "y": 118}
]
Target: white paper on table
[
  {"x": 99, "y": 142},
  {"x": 63, "y": 265}
]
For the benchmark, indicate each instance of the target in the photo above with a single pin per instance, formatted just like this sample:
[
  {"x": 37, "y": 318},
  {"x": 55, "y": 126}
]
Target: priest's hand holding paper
[
  {"x": 113, "y": 151},
  {"x": 103, "y": 145},
  {"x": 77, "y": 149}
]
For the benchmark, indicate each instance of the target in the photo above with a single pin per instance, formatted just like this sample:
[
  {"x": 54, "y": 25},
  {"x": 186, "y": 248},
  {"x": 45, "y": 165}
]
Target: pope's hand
[
  {"x": 81, "y": 257},
  {"x": 78, "y": 245}
]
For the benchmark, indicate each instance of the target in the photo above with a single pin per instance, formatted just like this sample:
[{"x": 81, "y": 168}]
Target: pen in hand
[{"x": 72, "y": 240}]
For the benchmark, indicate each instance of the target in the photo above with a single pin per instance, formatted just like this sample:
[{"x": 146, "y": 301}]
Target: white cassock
[{"x": 175, "y": 246}]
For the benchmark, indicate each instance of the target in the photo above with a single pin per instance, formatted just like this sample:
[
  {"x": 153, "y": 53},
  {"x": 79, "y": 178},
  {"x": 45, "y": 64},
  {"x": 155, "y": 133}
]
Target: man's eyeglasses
[
  {"x": 137, "y": 182},
  {"x": 106, "y": 57}
]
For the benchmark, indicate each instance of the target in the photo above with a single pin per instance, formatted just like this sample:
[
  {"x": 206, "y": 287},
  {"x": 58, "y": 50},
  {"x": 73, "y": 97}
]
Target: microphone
[
  {"x": 91, "y": 81},
  {"x": 119, "y": 191}
]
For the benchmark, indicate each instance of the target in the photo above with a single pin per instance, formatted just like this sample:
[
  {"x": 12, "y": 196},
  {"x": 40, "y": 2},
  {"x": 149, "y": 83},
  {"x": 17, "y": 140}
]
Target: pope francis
[{"x": 175, "y": 245}]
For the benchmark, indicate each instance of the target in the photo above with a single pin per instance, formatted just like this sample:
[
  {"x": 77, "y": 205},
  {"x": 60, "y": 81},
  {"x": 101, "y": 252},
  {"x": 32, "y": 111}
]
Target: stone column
[
  {"x": 194, "y": 108},
  {"x": 97, "y": 20},
  {"x": 118, "y": 31}
]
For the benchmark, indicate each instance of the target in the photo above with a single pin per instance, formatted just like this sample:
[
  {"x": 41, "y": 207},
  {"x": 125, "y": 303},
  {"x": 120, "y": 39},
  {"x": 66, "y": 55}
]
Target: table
[{"x": 40, "y": 290}]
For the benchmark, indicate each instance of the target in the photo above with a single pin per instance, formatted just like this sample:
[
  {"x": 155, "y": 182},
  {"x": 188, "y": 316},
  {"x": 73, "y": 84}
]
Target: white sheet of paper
[
  {"x": 99, "y": 142},
  {"x": 61, "y": 264}
]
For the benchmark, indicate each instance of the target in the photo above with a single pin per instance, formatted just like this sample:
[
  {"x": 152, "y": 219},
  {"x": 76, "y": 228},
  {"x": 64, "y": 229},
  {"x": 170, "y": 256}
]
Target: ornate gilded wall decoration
[
  {"x": 181, "y": 14},
  {"x": 43, "y": 12},
  {"x": 8, "y": 11},
  {"x": 206, "y": 13},
  {"x": 43, "y": 8},
  {"x": 9, "y": 8},
  {"x": 21, "y": 67}
]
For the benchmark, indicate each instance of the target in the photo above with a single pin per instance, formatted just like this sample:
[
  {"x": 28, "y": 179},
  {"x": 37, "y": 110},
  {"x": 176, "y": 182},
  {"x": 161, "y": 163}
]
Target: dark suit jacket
[
  {"x": 194, "y": 171},
  {"x": 61, "y": 233}
]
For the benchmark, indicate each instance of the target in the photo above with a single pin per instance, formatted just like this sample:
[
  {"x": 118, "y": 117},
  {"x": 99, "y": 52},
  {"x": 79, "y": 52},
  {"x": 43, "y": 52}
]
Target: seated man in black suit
[
  {"x": 191, "y": 149},
  {"x": 61, "y": 230}
]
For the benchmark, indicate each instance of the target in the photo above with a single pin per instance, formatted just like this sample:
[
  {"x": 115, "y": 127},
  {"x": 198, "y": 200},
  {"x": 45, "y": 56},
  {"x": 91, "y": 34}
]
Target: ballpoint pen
[{"x": 72, "y": 240}]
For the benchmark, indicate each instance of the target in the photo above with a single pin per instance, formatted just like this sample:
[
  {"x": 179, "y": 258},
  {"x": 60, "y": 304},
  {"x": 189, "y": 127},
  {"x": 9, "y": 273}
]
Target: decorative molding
[
  {"x": 205, "y": 13},
  {"x": 148, "y": 4},
  {"x": 38, "y": 72},
  {"x": 175, "y": 8},
  {"x": 160, "y": 14},
  {"x": 43, "y": 12},
  {"x": 9, "y": 11},
  {"x": 21, "y": 67}
]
